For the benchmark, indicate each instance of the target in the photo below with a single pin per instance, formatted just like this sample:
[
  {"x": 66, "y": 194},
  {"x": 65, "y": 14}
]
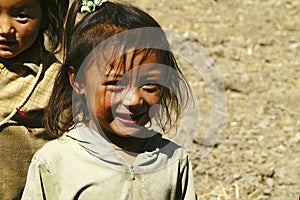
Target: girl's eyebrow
[
  {"x": 19, "y": 8},
  {"x": 149, "y": 75}
]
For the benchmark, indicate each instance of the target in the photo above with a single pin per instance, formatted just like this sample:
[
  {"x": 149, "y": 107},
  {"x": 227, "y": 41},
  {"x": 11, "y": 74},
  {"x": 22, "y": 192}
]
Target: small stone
[
  {"x": 267, "y": 192},
  {"x": 267, "y": 172}
]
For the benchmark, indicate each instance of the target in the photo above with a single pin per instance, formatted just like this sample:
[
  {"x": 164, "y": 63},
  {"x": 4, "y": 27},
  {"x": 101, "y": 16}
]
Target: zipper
[{"x": 132, "y": 172}]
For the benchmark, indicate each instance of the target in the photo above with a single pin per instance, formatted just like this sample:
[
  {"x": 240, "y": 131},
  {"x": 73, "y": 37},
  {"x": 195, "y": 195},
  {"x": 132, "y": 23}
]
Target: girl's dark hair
[
  {"x": 54, "y": 12},
  {"x": 94, "y": 29}
]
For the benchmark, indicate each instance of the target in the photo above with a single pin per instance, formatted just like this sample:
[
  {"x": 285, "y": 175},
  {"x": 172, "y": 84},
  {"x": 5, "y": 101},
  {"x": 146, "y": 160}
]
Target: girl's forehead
[{"x": 131, "y": 61}]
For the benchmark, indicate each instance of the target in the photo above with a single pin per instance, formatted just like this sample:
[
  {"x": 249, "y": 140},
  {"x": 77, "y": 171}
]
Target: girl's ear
[{"x": 78, "y": 87}]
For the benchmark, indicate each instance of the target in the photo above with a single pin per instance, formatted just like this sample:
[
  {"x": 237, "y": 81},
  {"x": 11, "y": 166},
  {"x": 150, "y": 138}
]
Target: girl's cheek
[
  {"x": 153, "y": 98},
  {"x": 109, "y": 100},
  {"x": 116, "y": 97},
  {"x": 29, "y": 33}
]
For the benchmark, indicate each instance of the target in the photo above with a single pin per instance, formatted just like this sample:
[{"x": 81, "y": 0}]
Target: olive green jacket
[{"x": 82, "y": 165}]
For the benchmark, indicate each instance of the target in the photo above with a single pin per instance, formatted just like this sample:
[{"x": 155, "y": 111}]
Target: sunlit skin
[
  {"x": 120, "y": 100},
  {"x": 19, "y": 27}
]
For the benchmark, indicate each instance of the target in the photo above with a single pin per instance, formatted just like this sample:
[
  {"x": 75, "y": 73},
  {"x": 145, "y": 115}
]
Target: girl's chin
[
  {"x": 6, "y": 54},
  {"x": 127, "y": 129},
  {"x": 121, "y": 127}
]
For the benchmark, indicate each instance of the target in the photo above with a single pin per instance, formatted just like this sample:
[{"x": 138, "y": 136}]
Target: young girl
[
  {"x": 118, "y": 77},
  {"x": 27, "y": 71}
]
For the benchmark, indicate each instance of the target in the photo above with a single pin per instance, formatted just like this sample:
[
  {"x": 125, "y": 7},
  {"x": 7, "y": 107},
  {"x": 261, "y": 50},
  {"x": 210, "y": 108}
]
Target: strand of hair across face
[{"x": 25, "y": 98}]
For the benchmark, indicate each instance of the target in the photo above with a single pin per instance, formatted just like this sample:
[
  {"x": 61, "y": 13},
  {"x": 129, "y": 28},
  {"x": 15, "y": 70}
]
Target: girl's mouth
[
  {"x": 6, "y": 44},
  {"x": 129, "y": 119}
]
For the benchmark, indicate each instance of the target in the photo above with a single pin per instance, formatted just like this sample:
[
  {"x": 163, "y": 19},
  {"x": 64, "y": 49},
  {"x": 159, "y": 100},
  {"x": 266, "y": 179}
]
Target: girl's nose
[
  {"x": 132, "y": 98},
  {"x": 6, "y": 26}
]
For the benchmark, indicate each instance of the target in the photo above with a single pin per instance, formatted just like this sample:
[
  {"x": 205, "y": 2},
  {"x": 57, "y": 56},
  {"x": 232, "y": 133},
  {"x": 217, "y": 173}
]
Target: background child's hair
[
  {"x": 54, "y": 12},
  {"x": 93, "y": 29}
]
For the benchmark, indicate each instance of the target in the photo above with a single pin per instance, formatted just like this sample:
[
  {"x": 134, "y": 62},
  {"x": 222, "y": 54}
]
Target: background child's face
[
  {"x": 19, "y": 26},
  {"x": 121, "y": 99}
]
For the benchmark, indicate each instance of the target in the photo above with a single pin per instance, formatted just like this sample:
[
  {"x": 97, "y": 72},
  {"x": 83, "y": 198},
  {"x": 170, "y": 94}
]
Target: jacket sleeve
[
  {"x": 40, "y": 183},
  {"x": 185, "y": 181}
]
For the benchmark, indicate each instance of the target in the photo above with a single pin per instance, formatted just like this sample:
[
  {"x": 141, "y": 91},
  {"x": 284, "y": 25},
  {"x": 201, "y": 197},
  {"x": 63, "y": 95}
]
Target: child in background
[
  {"x": 27, "y": 72},
  {"x": 122, "y": 75}
]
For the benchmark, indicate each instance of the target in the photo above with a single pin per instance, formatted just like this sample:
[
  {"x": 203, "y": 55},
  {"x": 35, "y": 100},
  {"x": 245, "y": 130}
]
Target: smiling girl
[{"x": 118, "y": 77}]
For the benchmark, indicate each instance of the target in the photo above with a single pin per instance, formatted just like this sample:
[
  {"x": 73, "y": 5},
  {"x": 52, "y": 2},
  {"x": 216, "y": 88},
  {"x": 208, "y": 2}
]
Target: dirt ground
[{"x": 255, "y": 46}]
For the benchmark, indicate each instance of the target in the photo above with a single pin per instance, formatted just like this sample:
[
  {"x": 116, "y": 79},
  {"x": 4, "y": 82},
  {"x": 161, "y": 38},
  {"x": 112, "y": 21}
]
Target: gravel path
[{"x": 255, "y": 46}]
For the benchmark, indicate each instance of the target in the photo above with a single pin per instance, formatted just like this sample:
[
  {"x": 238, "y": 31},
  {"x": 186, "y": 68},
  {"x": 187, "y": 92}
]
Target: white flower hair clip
[{"x": 89, "y": 6}]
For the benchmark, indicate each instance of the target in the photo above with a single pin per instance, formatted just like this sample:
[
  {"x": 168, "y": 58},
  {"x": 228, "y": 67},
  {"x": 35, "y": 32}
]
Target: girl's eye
[
  {"x": 151, "y": 87},
  {"x": 22, "y": 16},
  {"x": 115, "y": 86},
  {"x": 116, "y": 83},
  {"x": 111, "y": 83}
]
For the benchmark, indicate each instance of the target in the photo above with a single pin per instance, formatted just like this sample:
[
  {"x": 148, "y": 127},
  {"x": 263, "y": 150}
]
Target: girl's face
[
  {"x": 123, "y": 101},
  {"x": 19, "y": 26}
]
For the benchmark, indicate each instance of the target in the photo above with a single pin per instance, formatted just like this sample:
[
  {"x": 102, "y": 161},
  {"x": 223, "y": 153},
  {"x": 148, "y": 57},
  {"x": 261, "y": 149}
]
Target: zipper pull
[{"x": 21, "y": 112}]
